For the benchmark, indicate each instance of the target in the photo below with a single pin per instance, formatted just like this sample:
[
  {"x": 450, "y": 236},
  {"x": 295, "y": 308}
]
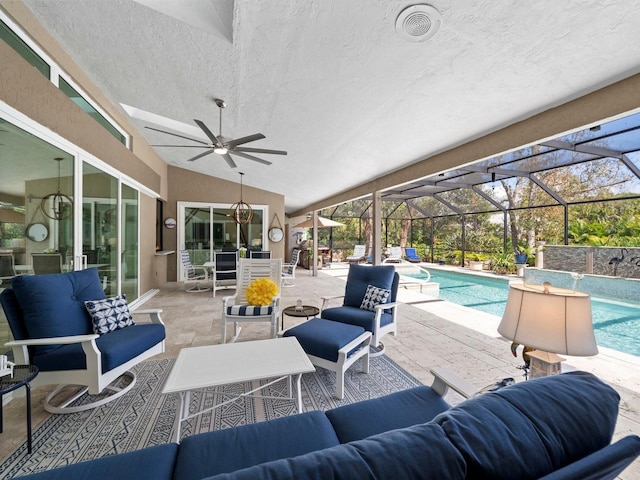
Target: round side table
[
  {"x": 22, "y": 375},
  {"x": 306, "y": 311}
]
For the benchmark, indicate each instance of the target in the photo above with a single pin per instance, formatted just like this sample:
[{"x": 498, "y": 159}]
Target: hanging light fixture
[
  {"x": 61, "y": 204},
  {"x": 241, "y": 212}
]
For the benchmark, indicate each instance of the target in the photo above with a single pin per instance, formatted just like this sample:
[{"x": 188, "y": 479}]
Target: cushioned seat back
[
  {"x": 231, "y": 449},
  {"x": 52, "y": 305},
  {"x": 539, "y": 425},
  {"x": 361, "y": 276},
  {"x": 419, "y": 452}
]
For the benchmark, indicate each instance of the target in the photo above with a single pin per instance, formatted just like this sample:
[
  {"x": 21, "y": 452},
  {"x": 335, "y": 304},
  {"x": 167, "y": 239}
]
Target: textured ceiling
[{"x": 333, "y": 84}]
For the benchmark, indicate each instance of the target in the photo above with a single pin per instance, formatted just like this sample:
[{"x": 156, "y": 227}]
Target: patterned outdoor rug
[{"x": 144, "y": 417}]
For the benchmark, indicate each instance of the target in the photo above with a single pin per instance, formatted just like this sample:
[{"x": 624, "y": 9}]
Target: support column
[
  {"x": 314, "y": 269},
  {"x": 377, "y": 228}
]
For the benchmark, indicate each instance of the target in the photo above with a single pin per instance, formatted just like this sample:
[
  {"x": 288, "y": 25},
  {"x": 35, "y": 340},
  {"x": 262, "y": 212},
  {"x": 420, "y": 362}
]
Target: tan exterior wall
[{"x": 188, "y": 186}]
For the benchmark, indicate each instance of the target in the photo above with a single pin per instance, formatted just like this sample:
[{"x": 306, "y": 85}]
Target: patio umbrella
[{"x": 320, "y": 223}]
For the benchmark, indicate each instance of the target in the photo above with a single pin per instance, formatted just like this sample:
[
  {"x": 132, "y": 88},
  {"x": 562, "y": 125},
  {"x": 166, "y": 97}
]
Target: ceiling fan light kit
[{"x": 220, "y": 145}]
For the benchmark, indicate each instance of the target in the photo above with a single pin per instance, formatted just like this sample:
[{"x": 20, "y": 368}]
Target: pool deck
[{"x": 432, "y": 333}]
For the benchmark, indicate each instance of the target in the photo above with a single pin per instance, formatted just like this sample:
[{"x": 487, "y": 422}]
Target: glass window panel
[
  {"x": 197, "y": 234},
  {"x": 79, "y": 100},
  {"x": 24, "y": 50},
  {"x": 29, "y": 173},
  {"x": 129, "y": 250},
  {"x": 100, "y": 225}
]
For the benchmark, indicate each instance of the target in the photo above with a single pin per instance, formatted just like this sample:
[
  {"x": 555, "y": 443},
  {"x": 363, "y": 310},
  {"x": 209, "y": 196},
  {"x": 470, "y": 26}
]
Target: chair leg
[
  {"x": 236, "y": 332},
  {"x": 198, "y": 289},
  {"x": 224, "y": 330}
]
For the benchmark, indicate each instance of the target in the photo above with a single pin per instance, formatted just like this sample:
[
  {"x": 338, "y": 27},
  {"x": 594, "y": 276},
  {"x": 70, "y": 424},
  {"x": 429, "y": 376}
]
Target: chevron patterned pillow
[
  {"x": 374, "y": 296},
  {"x": 109, "y": 314}
]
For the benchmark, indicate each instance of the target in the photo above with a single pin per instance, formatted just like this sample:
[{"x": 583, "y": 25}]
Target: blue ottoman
[{"x": 333, "y": 345}]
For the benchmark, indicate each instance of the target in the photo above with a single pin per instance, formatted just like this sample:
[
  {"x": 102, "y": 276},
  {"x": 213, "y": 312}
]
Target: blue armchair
[
  {"x": 53, "y": 330},
  {"x": 369, "y": 302}
]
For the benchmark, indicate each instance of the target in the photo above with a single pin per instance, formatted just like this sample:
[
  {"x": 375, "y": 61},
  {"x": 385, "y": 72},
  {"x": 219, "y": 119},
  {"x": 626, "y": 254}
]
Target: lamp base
[{"x": 544, "y": 364}]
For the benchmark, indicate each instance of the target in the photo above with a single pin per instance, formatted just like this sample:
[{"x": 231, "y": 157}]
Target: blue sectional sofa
[{"x": 558, "y": 427}]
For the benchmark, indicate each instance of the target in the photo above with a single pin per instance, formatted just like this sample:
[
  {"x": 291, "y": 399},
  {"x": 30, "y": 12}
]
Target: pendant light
[
  {"x": 61, "y": 204},
  {"x": 241, "y": 212}
]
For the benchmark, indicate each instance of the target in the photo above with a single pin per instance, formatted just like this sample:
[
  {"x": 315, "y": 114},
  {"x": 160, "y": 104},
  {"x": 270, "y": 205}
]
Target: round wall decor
[
  {"x": 37, "y": 232},
  {"x": 276, "y": 234},
  {"x": 170, "y": 222}
]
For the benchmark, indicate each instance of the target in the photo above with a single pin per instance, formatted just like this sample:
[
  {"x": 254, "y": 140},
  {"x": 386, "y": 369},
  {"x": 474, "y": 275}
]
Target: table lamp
[{"x": 551, "y": 320}]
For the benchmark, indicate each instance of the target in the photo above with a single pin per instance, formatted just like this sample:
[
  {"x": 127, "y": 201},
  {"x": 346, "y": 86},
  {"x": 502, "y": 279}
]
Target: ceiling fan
[{"x": 221, "y": 145}]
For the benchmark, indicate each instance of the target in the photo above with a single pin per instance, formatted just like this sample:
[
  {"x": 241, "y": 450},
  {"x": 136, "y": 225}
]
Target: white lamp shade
[{"x": 557, "y": 321}]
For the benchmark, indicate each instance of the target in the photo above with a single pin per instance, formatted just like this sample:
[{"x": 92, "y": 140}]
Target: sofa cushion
[
  {"x": 53, "y": 305},
  {"x": 539, "y": 425},
  {"x": 236, "y": 448},
  {"x": 418, "y": 452},
  {"x": 117, "y": 347},
  {"x": 397, "y": 410},
  {"x": 154, "y": 462},
  {"x": 361, "y": 276}
]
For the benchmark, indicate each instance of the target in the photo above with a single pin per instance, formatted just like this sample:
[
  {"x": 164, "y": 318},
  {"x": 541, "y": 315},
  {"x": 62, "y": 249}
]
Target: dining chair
[{"x": 43, "y": 263}]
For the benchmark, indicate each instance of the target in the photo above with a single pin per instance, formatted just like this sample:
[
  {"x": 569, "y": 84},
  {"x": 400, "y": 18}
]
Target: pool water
[{"x": 616, "y": 325}]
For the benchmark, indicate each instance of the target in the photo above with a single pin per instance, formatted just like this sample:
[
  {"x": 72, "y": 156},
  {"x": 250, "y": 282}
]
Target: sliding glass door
[{"x": 204, "y": 228}]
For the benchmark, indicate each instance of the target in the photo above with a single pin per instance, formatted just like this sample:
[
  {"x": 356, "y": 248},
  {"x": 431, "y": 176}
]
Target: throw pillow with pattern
[
  {"x": 374, "y": 296},
  {"x": 109, "y": 314}
]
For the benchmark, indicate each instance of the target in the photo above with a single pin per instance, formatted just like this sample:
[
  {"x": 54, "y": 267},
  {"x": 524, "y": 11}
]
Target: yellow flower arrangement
[{"x": 261, "y": 291}]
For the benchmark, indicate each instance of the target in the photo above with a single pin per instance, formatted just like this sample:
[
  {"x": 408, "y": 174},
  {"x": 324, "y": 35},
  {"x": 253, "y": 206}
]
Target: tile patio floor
[{"x": 431, "y": 334}]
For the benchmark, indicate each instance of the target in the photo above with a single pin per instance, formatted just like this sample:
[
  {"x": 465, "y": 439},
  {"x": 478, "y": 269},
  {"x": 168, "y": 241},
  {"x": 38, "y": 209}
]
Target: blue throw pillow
[
  {"x": 109, "y": 314},
  {"x": 374, "y": 296}
]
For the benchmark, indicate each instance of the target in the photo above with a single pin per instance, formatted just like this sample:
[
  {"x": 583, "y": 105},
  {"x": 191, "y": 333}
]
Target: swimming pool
[{"x": 616, "y": 325}]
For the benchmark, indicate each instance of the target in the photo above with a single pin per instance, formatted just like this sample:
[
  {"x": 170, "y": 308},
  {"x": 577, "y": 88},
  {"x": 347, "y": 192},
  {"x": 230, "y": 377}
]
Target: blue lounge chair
[{"x": 411, "y": 255}]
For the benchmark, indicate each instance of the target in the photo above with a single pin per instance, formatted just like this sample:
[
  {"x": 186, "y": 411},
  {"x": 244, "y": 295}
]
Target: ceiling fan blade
[
  {"x": 251, "y": 157},
  {"x": 176, "y": 135},
  {"x": 250, "y": 138},
  {"x": 229, "y": 160},
  {"x": 200, "y": 155},
  {"x": 183, "y": 146},
  {"x": 208, "y": 132},
  {"x": 259, "y": 150}
]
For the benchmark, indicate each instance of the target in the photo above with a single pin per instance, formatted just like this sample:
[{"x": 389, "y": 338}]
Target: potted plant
[
  {"x": 521, "y": 256},
  {"x": 475, "y": 261}
]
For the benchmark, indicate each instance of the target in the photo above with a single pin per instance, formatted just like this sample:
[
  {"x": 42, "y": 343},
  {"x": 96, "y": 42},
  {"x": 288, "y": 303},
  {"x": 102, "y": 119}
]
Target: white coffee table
[{"x": 198, "y": 368}]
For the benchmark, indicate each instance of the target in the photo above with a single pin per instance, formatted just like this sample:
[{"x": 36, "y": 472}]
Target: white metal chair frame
[
  {"x": 249, "y": 270},
  {"x": 191, "y": 275},
  {"x": 289, "y": 269}
]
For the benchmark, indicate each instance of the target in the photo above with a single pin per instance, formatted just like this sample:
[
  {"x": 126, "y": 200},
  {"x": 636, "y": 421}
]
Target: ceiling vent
[{"x": 418, "y": 23}]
